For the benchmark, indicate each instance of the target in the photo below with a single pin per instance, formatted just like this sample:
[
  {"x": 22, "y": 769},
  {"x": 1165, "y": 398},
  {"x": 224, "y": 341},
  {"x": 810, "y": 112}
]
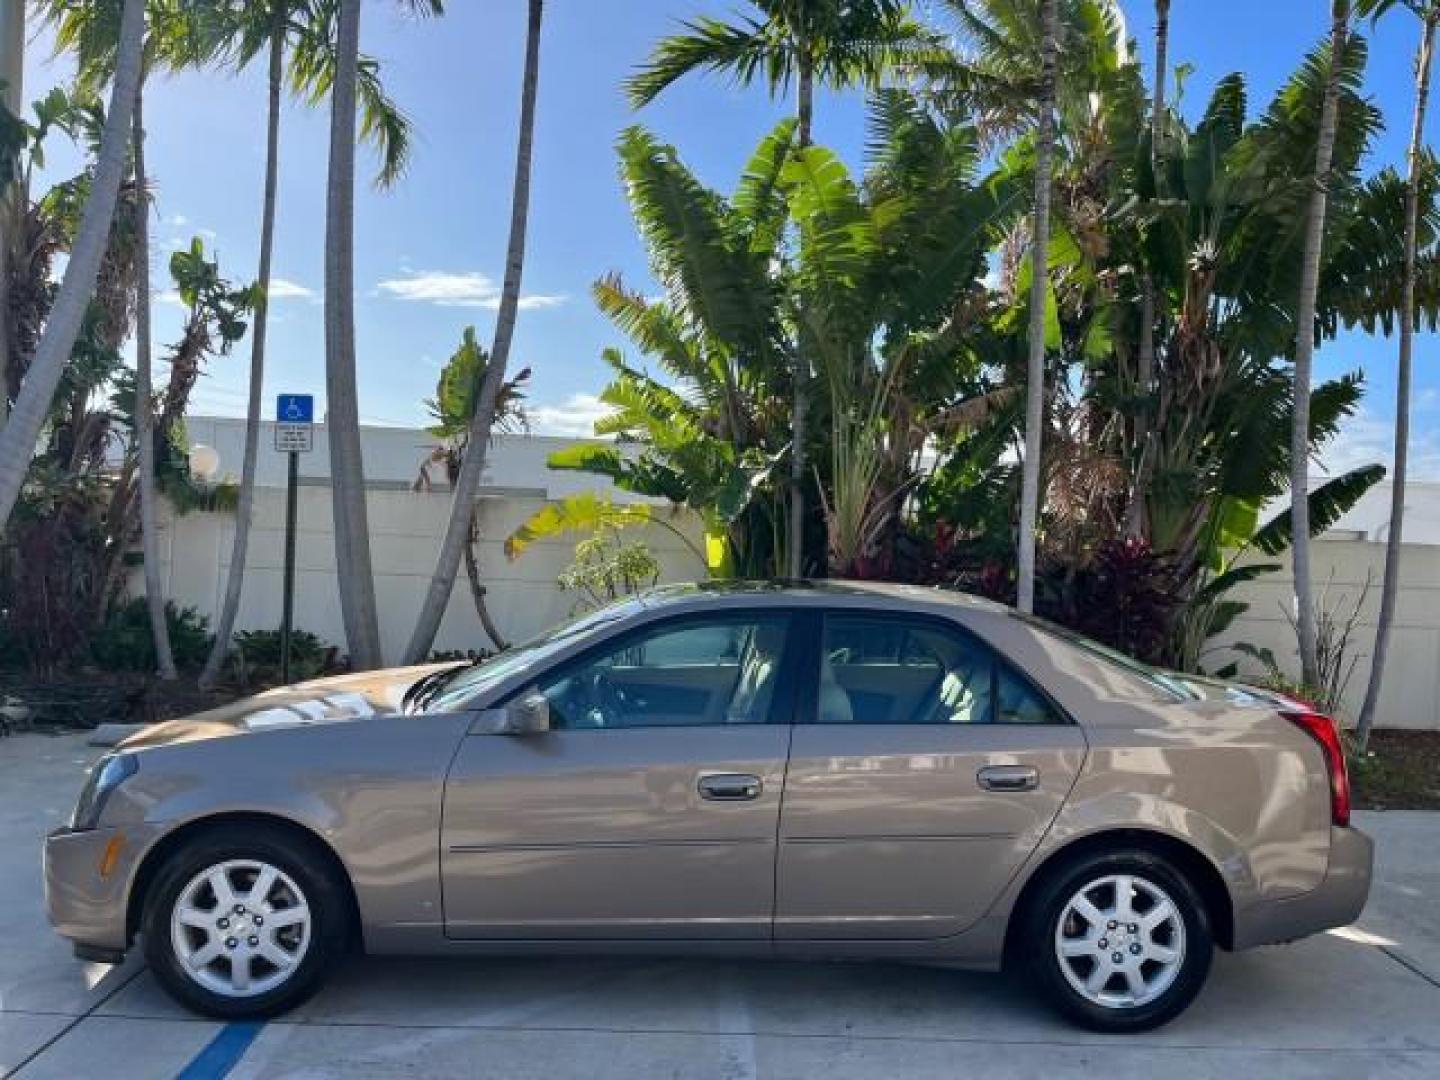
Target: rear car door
[
  {"x": 924, "y": 769},
  {"x": 649, "y": 809}
]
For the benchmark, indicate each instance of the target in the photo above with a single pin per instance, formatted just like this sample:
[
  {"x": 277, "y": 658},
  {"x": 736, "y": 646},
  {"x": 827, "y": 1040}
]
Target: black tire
[
  {"x": 1035, "y": 946},
  {"x": 298, "y": 858}
]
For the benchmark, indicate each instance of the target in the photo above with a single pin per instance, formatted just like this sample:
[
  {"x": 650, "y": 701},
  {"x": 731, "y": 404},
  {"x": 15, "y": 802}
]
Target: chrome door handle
[
  {"x": 730, "y": 787},
  {"x": 1008, "y": 778}
]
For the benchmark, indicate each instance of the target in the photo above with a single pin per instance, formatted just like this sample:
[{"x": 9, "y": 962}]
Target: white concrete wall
[
  {"x": 1342, "y": 560},
  {"x": 525, "y": 599},
  {"x": 404, "y": 531}
]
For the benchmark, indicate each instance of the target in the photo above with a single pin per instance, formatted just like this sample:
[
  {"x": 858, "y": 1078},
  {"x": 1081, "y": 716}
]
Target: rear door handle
[
  {"x": 730, "y": 787},
  {"x": 1008, "y": 778}
]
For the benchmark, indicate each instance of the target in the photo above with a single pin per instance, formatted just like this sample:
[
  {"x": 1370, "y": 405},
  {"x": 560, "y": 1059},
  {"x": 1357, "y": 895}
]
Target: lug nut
[
  {"x": 224, "y": 924},
  {"x": 259, "y": 921},
  {"x": 1104, "y": 943},
  {"x": 1135, "y": 949},
  {"x": 254, "y": 941},
  {"x": 239, "y": 909},
  {"x": 1133, "y": 928},
  {"x": 230, "y": 943},
  {"x": 1114, "y": 924},
  {"x": 1118, "y": 957}
]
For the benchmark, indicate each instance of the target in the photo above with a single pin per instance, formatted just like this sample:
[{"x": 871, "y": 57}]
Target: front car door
[
  {"x": 922, "y": 773},
  {"x": 649, "y": 809}
]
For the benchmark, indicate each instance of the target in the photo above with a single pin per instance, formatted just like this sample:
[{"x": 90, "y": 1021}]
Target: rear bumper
[
  {"x": 86, "y": 892},
  {"x": 1337, "y": 901}
]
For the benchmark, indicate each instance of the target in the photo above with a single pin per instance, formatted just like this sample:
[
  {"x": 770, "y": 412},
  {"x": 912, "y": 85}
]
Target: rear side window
[
  {"x": 1170, "y": 685},
  {"x": 886, "y": 670}
]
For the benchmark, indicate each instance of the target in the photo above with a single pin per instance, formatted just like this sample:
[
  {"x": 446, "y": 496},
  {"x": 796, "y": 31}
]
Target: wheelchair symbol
[{"x": 293, "y": 410}]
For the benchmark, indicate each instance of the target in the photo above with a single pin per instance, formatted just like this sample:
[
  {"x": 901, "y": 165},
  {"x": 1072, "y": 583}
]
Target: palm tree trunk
[
  {"x": 245, "y": 512},
  {"x": 347, "y": 467},
  {"x": 477, "y": 590},
  {"x": 1305, "y": 346},
  {"x": 12, "y": 97},
  {"x": 17, "y": 440},
  {"x": 1145, "y": 358},
  {"x": 1390, "y": 588},
  {"x": 1039, "y": 288},
  {"x": 795, "y": 555},
  {"x": 467, "y": 484},
  {"x": 145, "y": 400}
]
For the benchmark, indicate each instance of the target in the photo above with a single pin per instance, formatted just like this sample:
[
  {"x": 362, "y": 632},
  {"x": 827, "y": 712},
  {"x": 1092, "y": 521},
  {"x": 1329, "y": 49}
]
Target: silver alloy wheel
[
  {"x": 240, "y": 928},
  {"x": 1120, "y": 941}
]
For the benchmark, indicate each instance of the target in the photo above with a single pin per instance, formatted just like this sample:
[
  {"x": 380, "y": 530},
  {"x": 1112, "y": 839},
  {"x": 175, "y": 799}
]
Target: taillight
[{"x": 1327, "y": 733}]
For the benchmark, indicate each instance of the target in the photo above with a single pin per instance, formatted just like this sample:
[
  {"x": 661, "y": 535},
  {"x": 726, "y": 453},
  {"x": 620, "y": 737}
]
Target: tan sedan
[{"x": 814, "y": 771}]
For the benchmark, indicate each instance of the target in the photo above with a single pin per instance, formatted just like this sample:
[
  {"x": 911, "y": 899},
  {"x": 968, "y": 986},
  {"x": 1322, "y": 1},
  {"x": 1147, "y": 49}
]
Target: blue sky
[{"x": 429, "y": 252}]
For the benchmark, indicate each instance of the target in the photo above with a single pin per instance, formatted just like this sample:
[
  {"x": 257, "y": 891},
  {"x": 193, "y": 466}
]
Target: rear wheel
[
  {"x": 243, "y": 922},
  {"x": 1117, "y": 941}
]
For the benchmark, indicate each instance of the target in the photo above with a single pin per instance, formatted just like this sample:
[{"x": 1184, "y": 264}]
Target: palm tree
[
  {"x": 1039, "y": 291},
  {"x": 1428, "y": 11},
  {"x": 839, "y": 44},
  {"x": 255, "y": 29},
  {"x": 145, "y": 400},
  {"x": 356, "y": 580},
  {"x": 1305, "y": 340},
  {"x": 457, "y": 393},
  {"x": 17, "y": 440},
  {"x": 1145, "y": 351},
  {"x": 467, "y": 483},
  {"x": 12, "y": 96}
]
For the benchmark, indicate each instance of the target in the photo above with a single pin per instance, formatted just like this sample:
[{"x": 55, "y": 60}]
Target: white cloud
[
  {"x": 281, "y": 289},
  {"x": 456, "y": 290},
  {"x": 575, "y": 416},
  {"x": 1366, "y": 439}
]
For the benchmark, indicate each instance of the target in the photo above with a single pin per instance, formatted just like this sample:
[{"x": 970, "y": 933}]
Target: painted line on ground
[
  {"x": 48, "y": 1043},
  {"x": 223, "y": 1052},
  {"x": 1408, "y": 964}
]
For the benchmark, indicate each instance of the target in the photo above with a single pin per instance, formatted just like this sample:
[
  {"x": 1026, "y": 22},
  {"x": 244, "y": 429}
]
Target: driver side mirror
[{"x": 528, "y": 714}]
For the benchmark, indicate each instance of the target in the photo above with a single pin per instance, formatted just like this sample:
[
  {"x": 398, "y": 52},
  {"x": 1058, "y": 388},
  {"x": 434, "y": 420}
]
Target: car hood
[{"x": 322, "y": 701}]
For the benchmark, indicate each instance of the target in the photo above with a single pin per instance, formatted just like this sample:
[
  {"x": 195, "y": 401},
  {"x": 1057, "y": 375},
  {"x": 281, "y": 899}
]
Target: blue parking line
[{"x": 223, "y": 1052}]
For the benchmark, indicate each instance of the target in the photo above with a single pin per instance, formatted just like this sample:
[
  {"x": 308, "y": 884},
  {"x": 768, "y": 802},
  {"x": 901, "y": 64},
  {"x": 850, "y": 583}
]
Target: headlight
[{"x": 109, "y": 772}]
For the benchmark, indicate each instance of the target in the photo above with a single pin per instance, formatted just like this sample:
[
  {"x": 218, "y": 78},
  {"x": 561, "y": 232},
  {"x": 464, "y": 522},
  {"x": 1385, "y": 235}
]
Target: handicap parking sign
[
  {"x": 294, "y": 423},
  {"x": 295, "y": 409}
]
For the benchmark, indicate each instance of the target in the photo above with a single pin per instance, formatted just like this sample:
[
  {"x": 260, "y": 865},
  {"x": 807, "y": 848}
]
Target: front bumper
[
  {"x": 1337, "y": 901},
  {"x": 88, "y": 876}
]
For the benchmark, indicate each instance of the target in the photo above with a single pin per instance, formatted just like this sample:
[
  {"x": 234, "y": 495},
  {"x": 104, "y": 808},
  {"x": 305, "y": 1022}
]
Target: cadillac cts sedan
[{"x": 837, "y": 771}]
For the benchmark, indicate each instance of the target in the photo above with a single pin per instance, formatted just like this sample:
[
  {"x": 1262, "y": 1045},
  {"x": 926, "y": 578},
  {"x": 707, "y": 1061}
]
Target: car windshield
[
  {"x": 1171, "y": 684},
  {"x": 455, "y": 689}
]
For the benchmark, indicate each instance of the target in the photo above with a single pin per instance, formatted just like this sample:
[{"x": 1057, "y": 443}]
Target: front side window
[
  {"x": 902, "y": 671},
  {"x": 689, "y": 674}
]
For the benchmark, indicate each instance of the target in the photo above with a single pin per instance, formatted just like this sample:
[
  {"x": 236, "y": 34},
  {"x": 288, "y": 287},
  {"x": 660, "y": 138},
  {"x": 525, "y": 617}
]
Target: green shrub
[
  {"x": 256, "y": 656},
  {"x": 125, "y": 643}
]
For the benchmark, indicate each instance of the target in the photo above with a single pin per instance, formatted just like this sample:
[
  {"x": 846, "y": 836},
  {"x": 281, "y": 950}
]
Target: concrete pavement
[{"x": 1356, "y": 1003}]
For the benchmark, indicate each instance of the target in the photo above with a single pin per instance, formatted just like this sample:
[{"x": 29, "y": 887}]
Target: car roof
[{"x": 867, "y": 594}]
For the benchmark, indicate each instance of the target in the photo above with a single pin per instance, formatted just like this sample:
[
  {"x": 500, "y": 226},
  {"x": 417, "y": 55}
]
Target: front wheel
[
  {"x": 1118, "y": 941},
  {"x": 241, "y": 923}
]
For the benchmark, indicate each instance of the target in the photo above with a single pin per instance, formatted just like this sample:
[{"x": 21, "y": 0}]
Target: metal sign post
[{"x": 294, "y": 435}]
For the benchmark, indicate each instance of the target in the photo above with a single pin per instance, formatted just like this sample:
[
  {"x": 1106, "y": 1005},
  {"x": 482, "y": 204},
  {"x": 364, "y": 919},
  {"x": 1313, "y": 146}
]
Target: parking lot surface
[{"x": 1360, "y": 1002}]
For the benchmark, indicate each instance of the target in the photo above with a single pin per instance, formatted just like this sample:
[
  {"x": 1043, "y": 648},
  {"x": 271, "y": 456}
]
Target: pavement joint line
[
  {"x": 1118, "y": 1043},
  {"x": 1409, "y": 964},
  {"x": 74, "y": 1023}
]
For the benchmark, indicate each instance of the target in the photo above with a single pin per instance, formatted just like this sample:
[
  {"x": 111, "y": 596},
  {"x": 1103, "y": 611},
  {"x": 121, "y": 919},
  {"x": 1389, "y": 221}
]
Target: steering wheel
[{"x": 604, "y": 704}]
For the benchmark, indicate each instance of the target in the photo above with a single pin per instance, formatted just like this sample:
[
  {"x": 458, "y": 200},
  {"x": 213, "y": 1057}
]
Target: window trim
[
  {"x": 808, "y": 698},
  {"x": 786, "y": 692}
]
